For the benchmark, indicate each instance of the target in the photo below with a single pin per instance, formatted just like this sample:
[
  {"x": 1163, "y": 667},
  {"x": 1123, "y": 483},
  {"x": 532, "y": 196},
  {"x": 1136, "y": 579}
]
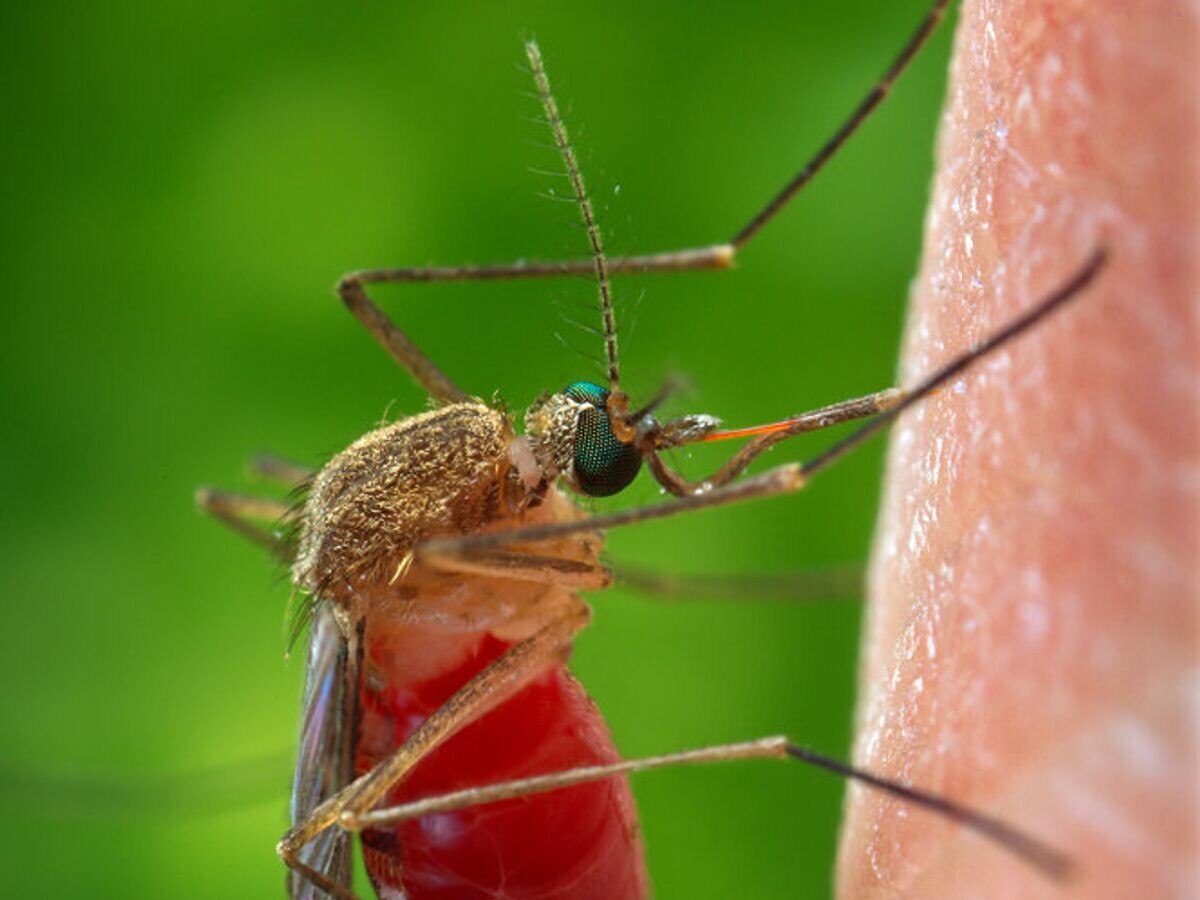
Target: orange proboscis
[{"x": 752, "y": 430}]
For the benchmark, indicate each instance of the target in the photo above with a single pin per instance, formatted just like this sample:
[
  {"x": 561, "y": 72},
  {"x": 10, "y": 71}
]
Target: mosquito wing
[{"x": 325, "y": 760}]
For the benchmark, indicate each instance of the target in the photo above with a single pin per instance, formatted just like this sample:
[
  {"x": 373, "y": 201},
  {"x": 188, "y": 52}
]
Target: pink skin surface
[{"x": 1033, "y": 630}]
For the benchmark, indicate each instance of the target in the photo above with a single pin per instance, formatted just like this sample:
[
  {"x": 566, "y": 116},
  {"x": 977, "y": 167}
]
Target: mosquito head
[{"x": 572, "y": 435}]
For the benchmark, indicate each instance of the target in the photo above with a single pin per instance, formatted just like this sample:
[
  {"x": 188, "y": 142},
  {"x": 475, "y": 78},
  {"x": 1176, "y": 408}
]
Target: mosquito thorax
[
  {"x": 430, "y": 474},
  {"x": 571, "y": 435}
]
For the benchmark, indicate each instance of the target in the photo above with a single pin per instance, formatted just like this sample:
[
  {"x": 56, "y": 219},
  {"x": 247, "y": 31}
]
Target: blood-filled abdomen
[{"x": 579, "y": 842}]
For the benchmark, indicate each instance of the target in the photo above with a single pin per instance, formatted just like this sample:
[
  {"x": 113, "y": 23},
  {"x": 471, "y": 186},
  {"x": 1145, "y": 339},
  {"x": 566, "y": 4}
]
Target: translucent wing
[{"x": 325, "y": 760}]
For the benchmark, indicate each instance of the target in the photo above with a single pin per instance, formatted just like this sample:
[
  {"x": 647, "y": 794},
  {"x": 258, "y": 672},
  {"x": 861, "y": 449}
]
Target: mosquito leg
[
  {"x": 841, "y": 583},
  {"x": 834, "y": 583},
  {"x": 281, "y": 470},
  {"x": 570, "y": 573},
  {"x": 237, "y": 512},
  {"x": 766, "y": 748},
  {"x": 860, "y": 114},
  {"x": 521, "y": 662},
  {"x": 304, "y": 872},
  {"x": 791, "y": 477},
  {"x": 768, "y": 436},
  {"x": 780, "y": 480},
  {"x": 352, "y": 287},
  {"x": 1053, "y": 301},
  {"x": 244, "y": 506},
  {"x": 396, "y": 342},
  {"x": 892, "y": 405},
  {"x": 714, "y": 256},
  {"x": 1050, "y": 862}
]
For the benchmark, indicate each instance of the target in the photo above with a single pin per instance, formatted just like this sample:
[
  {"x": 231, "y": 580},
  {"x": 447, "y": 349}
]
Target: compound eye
[{"x": 603, "y": 465}]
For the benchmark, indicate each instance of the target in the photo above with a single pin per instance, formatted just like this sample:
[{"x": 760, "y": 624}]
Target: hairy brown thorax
[
  {"x": 444, "y": 472},
  {"x": 441, "y": 472}
]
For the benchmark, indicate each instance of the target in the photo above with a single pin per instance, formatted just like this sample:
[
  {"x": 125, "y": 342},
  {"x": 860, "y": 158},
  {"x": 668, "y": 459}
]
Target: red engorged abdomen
[{"x": 579, "y": 842}]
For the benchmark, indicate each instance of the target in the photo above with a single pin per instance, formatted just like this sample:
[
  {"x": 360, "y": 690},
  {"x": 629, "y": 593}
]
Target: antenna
[{"x": 617, "y": 403}]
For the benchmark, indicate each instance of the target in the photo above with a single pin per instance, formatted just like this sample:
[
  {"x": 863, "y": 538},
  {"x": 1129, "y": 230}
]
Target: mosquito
[{"x": 439, "y": 560}]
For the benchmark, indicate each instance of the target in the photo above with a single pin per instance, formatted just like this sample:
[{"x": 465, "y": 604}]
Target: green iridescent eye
[{"x": 603, "y": 465}]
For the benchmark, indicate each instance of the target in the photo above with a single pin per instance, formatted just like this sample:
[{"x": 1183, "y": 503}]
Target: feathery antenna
[{"x": 617, "y": 402}]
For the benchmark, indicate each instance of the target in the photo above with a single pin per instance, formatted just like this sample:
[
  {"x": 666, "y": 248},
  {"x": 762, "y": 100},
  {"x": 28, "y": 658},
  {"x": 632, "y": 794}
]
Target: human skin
[{"x": 1031, "y": 644}]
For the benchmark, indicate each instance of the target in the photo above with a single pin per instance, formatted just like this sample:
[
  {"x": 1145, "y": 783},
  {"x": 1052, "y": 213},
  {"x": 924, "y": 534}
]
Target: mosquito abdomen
[{"x": 577, "y": 842}]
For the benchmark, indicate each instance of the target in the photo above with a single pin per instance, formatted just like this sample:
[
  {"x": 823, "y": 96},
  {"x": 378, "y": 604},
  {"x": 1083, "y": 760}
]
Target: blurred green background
[{"x": 184, "y": 182}]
